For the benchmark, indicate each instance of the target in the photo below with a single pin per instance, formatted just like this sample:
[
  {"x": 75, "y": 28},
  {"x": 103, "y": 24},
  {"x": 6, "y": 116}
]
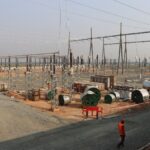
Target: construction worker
[{"x": 122, "y": 134}]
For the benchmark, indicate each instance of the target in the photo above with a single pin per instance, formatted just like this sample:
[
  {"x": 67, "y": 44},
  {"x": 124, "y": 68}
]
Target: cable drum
[
  {"x": 116, "y": 94},
  {"x": 109, "y": 98},
  {"x": 50, "y": 95},
  {"x": 139, "y": 96},
  {"x": 91, "y": 96},
  {"x": 64, "y": 100},
  {"x": 43, "y": 94},
  {"x": 33, "y": 94},
  {"x": 3, "y": 87},
  {"x": 30, "y": 95}
]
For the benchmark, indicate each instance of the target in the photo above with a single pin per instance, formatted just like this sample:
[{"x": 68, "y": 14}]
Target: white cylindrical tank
[
  {"x": 130, "y": 94},
  {"x": 146, "y": 84}
]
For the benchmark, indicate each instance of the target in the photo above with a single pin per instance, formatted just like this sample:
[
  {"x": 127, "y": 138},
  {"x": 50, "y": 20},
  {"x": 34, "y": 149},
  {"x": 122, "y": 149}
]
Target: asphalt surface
[{"x": 86, "y": 135}]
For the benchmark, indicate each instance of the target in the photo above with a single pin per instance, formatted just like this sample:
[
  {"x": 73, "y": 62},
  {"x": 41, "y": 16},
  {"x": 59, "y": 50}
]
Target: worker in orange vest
[{"x": 121, "y": 130}]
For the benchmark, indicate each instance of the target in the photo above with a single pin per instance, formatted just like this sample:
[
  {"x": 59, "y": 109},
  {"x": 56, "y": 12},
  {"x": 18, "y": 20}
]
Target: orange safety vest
[{"x": 121, "y": 128}]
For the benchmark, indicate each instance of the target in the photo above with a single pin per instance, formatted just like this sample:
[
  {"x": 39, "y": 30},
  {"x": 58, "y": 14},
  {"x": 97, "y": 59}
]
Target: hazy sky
[{"x": 32, "y": 26}]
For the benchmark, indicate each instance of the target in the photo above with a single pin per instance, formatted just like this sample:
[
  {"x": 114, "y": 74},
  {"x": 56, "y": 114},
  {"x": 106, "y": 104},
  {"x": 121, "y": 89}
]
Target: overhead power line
[
  {"x": 38, "y": 54},
  {"x": 86, "y": 16},
  {"x": 132, "y": 7},
  {"x": 104, "y": 20},
  {"x": 129, "y": 42},
  {"x": 109, "y": 36},
  {"x": 108, "y": 12}
]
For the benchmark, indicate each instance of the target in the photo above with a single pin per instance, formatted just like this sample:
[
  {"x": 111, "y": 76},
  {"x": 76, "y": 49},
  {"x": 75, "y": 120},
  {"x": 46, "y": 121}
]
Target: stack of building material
[
  {"x": 80, "y": 86},
  {"x": 108, "y": 80}
]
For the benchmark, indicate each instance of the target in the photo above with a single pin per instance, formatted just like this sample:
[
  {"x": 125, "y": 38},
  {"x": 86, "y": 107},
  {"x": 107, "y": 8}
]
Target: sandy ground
[
  {"x": 73, "y": 111},
  {"x": 18, "y": 119}
]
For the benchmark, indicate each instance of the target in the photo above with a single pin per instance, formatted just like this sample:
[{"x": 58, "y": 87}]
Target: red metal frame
[{"x": 92, "y": 109}]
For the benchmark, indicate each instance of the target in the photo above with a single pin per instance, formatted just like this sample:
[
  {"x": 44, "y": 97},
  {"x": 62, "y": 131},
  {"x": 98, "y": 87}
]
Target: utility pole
[
  {"x": 27, "y": 63},
  {"x": 50, "y": 61},
  {"x": 30, "y": 62},
  {"x": 97, "y": 61},
  {"x": 69, "y": 51},
  {"x": 120, "y": 52},
  {"x": 54, "y": 63},
  {"x": 39, "y": 61},
  {"x": 1, "y": 62},
  {"x": 91, "y": 50},
  {"x": 125, "y": 53},
  {"x": 71, "y": 59},
  {"x": 17, "y": 63},
  {"x": 9, "y": 62},
  {"x": 43, "y": 63},
  {"x": 5, "y": 62},
  {"x": 139, "y": 62},
  {"x": 35, "y": 63},
  {"x": 70, "y": 55},
  {"x": 103, "y": 55}
]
